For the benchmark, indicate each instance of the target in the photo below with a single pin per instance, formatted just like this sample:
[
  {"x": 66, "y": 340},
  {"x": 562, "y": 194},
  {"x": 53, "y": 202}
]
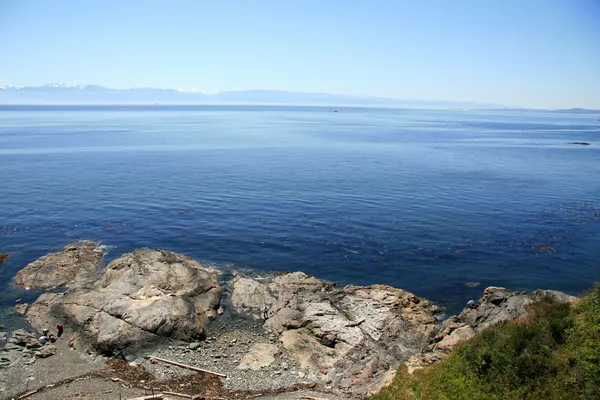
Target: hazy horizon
[{"x": 55, "y": 94}]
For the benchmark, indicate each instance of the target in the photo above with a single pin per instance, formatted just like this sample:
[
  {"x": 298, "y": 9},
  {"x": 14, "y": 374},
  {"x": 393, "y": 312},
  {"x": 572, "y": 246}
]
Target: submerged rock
[
  {"x": 140, "y": 299},
  {"x": 21, "y": 309},
  {"x": 350, "y": 336},
  {"x": 76, "y": 263},
  {"x": 3, "y": 257}
]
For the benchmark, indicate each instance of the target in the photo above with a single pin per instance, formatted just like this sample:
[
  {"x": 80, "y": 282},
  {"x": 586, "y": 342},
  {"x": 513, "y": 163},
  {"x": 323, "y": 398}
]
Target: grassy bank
[{"x": 554, "y": 354}]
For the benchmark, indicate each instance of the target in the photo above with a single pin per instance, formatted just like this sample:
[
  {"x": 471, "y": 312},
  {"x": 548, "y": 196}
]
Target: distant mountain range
[
  {"x": 94, "y": 94},
  {"x": 577, "y": 111}
]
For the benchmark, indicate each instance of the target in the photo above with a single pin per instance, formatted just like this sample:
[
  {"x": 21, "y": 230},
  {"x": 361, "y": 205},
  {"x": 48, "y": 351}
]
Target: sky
[{"x": 529, "y": 53}]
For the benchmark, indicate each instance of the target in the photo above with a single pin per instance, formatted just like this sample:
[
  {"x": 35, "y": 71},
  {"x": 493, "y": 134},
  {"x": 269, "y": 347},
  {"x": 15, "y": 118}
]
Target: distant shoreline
[{"x": 144, "y": 106}]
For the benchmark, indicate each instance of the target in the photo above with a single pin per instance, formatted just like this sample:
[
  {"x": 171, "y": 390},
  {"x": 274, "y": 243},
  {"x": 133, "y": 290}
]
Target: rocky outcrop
[
  {"x": 347, "y": 338},
  {"x": 351, "y": 339},
  {"x": 140, "y": 299},
  {"x": 21, "y": 344},
  {"x": 76, "y": 263},
  {"x": 497, "y": 305}
]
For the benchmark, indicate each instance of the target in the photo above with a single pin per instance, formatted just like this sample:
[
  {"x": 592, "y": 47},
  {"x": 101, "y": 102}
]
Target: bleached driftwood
[{"x": 187, "y": 366}]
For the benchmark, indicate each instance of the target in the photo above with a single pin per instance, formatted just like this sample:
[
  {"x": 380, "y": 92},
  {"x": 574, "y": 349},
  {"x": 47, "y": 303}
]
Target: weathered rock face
[
  {"x": 140, "y": 299},
  {"x": 496, "y": 306},
  {"x": 348, "y": 337},
  {"x": 75, "y": 264}
]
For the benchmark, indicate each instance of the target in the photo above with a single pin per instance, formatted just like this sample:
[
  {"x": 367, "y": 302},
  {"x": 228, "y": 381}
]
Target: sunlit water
[{"x": 423, "y": 200}]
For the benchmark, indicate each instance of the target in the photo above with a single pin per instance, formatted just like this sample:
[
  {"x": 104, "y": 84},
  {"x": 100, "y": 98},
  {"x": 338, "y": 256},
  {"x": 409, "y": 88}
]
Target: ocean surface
[{"x": 440, "y": 203}]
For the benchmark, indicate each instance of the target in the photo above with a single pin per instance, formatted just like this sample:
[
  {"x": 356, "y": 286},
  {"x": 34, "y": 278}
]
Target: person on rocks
[
  {"x": 45, "y": 332},
  {"x": 43, "y": 340},
  {"x": 471, "y": 304},
  {"x": 60, "y": 329},
  {"x": 52, "y": 339}
]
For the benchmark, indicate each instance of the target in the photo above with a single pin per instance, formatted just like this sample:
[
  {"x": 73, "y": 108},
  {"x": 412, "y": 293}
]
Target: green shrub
[
  {"x": 583, "y": 346},
  {"x": 554, "y": 354}
]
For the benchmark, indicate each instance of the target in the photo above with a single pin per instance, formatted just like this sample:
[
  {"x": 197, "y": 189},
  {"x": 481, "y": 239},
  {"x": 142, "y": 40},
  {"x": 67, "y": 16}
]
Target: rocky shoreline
[{"x": 267, "y": 334}]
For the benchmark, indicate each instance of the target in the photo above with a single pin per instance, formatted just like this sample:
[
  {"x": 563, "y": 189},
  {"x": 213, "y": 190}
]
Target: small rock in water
[
  {"x": 472, "y": 284},
  {"x": 21, "y": 309}
]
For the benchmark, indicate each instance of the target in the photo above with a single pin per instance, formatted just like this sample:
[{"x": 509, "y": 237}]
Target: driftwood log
[
  {"x": 151, "y": 397},
  {"x": 186, "y": 366}
]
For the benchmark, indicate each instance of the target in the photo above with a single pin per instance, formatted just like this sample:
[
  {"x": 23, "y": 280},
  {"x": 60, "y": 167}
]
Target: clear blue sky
[{"x": 532, "y": 53}]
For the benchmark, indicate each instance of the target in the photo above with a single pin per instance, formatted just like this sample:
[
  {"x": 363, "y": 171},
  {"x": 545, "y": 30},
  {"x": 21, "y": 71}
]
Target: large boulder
[
  {"x": 140, "y": 299},
  {"x": 76, "y": 263},
  {"x": 347, "y": 337}
]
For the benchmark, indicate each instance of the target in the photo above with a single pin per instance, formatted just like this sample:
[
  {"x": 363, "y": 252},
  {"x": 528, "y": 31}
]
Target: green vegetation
[{"x": 554, "y": 354}]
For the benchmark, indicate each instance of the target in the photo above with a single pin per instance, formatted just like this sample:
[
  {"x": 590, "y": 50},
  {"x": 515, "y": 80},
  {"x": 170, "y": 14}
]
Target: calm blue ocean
[{"x": 423, "y": 200}]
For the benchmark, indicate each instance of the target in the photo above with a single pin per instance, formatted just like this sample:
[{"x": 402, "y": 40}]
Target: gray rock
[
  {"x": 140, "y": 299},
  {"x": 22, "y": 338},
  {"x": 452, "y": 336},
  {"x": 261, "y": 355},
  {"x": 553, "y": 295},
  {"x": 21, "y": 309},
  {"x": 76, "y": 263},
  {"x": 354, "y": 332},
  {"x": 497, "y": 305},
  {"x": 194, "y": 345},
  {"x": 46, "y": 351}
]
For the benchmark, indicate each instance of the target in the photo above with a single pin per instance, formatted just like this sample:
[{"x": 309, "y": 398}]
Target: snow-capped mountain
[{"x": 55, "y": 93}]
